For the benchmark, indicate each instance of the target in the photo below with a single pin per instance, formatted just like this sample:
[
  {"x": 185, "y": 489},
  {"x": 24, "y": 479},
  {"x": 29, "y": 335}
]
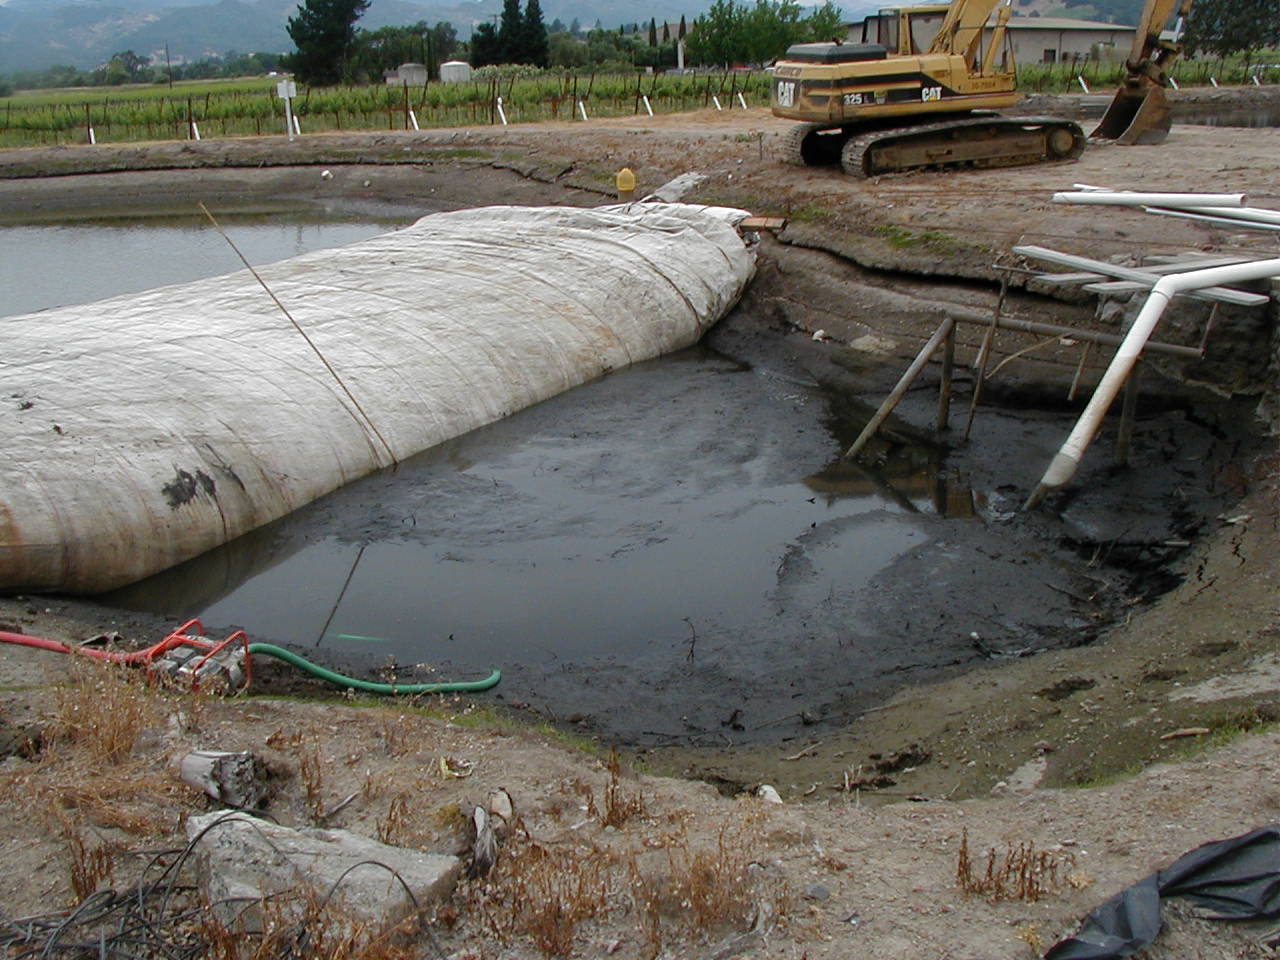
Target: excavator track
[
  {"x": 811, "y": 145},
  {"x": 988, "y": 141}
]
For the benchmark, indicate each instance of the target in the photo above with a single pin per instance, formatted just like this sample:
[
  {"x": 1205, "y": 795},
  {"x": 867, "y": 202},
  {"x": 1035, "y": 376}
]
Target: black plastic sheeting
[{"x": 1236, "y": 879}]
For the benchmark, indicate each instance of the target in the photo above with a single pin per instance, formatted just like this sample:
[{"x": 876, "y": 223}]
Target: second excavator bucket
[{"x": 1137, "y": 115}]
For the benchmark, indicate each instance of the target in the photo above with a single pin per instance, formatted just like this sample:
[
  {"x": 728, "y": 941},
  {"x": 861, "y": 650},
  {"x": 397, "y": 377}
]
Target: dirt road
[{"x": 874, "y": 265}]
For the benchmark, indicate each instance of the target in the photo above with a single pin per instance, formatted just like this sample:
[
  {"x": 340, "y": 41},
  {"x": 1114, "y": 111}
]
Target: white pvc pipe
[
  {"x": 502, "y": 114},
  {"x": 582, "y": 109},
  {"x": 93, "y": 139},
  {"x": 716, "y": 101},
  {"x": 645, "y": 98},
  {"x": 413, "y": 117},
  {"x": 1256, "y": 214},
  {"x": 297, "y": 127},
  {"x": 1132, "y": 198},
  {"x": 742, "y": 100},
  {"x": 1238, "y": 222},
  {"x": 195, "y": 130},
  {"x": 1067, "y": 460},
  {"x": 1083, "y": 86}
]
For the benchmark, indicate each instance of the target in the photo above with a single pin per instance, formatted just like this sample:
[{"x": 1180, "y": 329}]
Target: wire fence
[
  {"x": 248, "y": 112},
  {"x": 327, "y": 109}
]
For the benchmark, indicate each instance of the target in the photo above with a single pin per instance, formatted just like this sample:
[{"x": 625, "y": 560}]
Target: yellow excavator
[{"x": 922, "y": 88}]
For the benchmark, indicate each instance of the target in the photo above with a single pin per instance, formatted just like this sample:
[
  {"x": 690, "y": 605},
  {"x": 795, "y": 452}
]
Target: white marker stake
[
  {"x": 582, "y": 109},
  {"x": 1083, "y": 86},
  {"x": 502, "y": 114},
  {"x": 742, "y": 100},
  {"x": 195, "y": 130},
  {"x": 297, "y": 127},
  {"x": 716, "y": 101},
  {"x": 93, "y": 140},
  {"x": 413, "y": 118},
  {"x": 1174, "y": 83},
  {"x": 1214, "y": 81},
  {"x": 286, "y": 90},
  {"x": 645, "y": 98},
  {"x": 1256, "y": 81}
]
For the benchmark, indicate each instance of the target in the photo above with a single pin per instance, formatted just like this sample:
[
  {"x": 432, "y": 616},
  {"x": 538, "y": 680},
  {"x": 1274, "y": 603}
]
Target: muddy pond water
[{"x": 673, "y": 553}]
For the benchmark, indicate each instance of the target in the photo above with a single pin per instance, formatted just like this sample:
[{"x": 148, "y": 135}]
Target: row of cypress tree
[{"x": 520, "y": 37}]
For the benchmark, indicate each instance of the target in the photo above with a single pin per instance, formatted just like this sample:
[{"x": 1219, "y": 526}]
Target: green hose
[{"x": 461, "y": 686}]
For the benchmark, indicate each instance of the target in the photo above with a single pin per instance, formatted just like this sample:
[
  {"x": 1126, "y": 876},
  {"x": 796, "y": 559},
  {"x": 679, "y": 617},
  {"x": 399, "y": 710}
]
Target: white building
[
  {"x": 407, "y": 74},
  {"x": 1034, "y": 39},
  {"x": 455, "y": 71}
]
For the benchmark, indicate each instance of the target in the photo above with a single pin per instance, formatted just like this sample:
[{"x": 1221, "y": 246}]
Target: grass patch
[{"x": 935, "y": 241}]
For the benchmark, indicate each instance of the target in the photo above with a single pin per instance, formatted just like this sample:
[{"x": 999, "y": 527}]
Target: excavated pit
[{"x": 682, "y": 537}]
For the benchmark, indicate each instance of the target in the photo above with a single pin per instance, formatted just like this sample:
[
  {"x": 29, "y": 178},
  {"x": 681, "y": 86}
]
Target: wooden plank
[{"x": 762, "y": 223}]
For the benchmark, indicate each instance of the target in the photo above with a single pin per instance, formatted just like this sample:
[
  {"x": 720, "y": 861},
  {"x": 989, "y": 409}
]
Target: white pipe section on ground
[
  {"x": 1128, "y": 198},
  {"x": 1067, "y": 459},
  {"x": 1238, "y": 222},
  {"x": 1255, "y": 214}
]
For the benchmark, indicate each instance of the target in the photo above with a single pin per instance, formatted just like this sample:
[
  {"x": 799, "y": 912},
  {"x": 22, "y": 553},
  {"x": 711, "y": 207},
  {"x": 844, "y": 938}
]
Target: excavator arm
[
  {"x": 1139, "y": 113},
  {"x": 961, "y": 29}
]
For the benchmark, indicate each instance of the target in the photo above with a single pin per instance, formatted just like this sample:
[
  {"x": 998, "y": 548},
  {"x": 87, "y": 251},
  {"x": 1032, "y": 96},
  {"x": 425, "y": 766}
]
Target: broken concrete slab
[{"x": 240, "y": 860}]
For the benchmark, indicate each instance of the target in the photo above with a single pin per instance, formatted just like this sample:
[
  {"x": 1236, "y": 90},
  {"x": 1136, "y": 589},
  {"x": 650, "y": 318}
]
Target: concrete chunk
[{"x": 239, "y": 857}]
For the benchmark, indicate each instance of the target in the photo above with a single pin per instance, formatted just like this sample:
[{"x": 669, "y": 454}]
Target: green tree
[
  {"x": 565, "y": 50},
  {"x": 1223, "y": 27},
  {"x": 511, "y": 33},
  {"x": 535, "y": 35},
  {"x": 485, "y": 48},
  {"x": 126, "y": 67},
  {"x": 653, "y": 32},
  {"x": 824, "y": 23},
  {"x": 324, "y": 34}
]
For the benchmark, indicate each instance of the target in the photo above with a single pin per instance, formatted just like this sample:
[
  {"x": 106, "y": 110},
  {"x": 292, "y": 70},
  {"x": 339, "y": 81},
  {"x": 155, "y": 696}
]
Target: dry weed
[
  {"x": 544, "y": 893},
  {"x": 1029, "y": 933},
  {"x": 618, "y": 806},
  {"x": 712, "y": 886},
  {"x": 1020, "y": 873},
  {"x": 104, "y": 707},
  {"x": 88, "y": 864},
  {"x": 310, "y": 929},
  {"x": 311, "y": 772},
  {"x": 398, "y": 737},
  {"x": 391, "y": 828}
]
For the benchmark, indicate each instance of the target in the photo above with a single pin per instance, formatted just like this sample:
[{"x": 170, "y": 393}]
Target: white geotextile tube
[
  {"x": 1064, "y": 464},
  {"x": 146, "y": 429}
]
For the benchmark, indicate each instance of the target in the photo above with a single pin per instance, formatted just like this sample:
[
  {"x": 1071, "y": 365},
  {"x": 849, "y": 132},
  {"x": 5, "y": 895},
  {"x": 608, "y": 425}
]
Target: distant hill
[
  {"x": 35, "y": 34},
  {"x": 1106, "y": 11}
]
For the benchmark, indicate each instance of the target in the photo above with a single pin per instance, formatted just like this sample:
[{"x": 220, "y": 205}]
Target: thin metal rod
[
  {"x": 1091, "y": 336},
  {"x": 1084, "y": 360},
  {"x": 984, "y": 354},
  {"x": 1128, "y": 413},
  {"x": 944, "y": 385},
  {"x": 328, "y": 366},
  {"x": 899, "y": 391}
]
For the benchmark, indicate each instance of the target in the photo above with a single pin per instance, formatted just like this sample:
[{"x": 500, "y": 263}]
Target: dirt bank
[{"x": 874, "y": 265}]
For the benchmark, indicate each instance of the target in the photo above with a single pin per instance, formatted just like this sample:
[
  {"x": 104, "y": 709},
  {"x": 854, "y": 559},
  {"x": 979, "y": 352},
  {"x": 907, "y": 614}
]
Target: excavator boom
[{"x": 1139, "y": 112}]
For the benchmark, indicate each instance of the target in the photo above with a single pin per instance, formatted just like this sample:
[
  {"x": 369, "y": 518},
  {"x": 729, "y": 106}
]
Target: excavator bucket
[{"x": 1138, "y": 115}]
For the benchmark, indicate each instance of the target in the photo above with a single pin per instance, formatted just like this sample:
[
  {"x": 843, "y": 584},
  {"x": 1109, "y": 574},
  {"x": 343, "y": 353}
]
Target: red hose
[{"x": 135, "y": 656}]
